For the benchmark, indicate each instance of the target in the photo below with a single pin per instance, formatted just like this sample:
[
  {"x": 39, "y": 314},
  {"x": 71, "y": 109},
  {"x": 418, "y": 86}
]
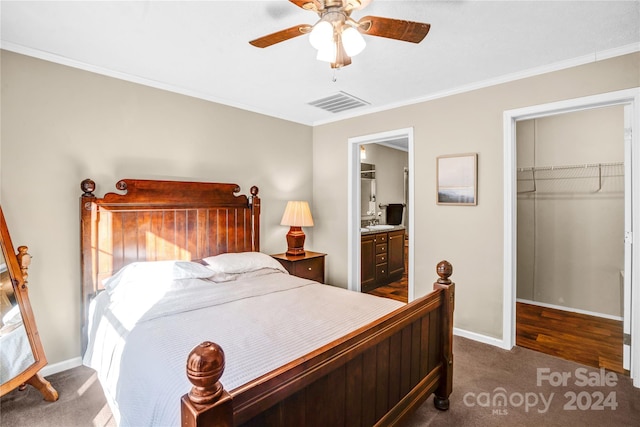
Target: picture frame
[{"x": 457, "y": 179}]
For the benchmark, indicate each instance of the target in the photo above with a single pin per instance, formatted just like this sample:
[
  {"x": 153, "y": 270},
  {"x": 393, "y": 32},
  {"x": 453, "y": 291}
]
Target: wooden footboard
[{"x": 375, "y": 376}]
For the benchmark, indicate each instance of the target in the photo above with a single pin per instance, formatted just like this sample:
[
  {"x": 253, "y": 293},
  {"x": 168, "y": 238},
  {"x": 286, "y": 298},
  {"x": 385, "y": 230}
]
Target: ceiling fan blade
[
  {"x": 282, "y": 35},
  {"x": 398, "y": 29},
  {"x": 314, "y": 5},
  {"x": 356, "y": 4}
]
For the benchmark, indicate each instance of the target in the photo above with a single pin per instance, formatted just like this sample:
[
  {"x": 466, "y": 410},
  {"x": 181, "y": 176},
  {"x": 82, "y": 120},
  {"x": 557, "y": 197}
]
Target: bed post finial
[
  {"x": 444, "y": 284},
  {"x": 88, "y": 186},
  {"x": 204, "y": 369},
  {"x": 444, "y": 270},
  {"x": 207, "y": 399}
]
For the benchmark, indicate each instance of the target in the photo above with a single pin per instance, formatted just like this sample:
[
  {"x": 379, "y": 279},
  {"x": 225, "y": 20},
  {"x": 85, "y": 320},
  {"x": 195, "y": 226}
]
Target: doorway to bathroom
[
  {"x": 384, "y": 239},
  {"x": 380, "y": 194}
]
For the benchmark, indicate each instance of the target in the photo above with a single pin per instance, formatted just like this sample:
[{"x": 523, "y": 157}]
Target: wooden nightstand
[{"x": 308, "y": 266}]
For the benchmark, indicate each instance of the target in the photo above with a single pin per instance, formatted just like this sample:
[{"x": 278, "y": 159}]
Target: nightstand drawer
[
  {"x": 312, "y": 269},
  {"x": 308, "y": 266}
]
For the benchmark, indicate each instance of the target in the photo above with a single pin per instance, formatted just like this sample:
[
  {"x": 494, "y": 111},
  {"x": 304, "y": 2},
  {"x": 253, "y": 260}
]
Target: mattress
[{"x": 139, "y": 340}]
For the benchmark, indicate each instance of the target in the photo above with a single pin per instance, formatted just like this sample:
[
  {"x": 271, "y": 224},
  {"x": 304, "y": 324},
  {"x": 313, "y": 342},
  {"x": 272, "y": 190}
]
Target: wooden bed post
[
  {"x": 207, "y": 404},
  {"x": 254, "y": 200},
  {"x": 88, "y": 214},
  {"x": 442, "y": 393}
]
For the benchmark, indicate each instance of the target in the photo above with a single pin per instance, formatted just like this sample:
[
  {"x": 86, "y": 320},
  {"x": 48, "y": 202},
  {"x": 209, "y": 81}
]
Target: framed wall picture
[{"x": 457, "y": 179}]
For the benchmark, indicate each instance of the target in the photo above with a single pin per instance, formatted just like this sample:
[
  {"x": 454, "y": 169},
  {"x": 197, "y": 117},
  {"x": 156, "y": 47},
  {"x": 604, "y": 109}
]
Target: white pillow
[
  {"x": 242, "y": 262},
  {"x": 13, "y": 316},
  {"x": 155, "y": 273},
  {"x": 231, "y": 277}
]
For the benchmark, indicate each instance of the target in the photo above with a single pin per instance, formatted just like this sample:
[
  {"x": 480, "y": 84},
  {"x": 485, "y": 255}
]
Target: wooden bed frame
[{"x": 376, "y": 375}]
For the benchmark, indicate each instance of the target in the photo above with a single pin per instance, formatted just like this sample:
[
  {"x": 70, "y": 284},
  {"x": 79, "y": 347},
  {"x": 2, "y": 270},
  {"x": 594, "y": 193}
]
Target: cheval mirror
[{"x": 21, "y": 353}]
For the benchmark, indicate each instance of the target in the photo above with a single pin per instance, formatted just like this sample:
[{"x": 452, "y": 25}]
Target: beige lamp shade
[{"x": 298, "y": 214}]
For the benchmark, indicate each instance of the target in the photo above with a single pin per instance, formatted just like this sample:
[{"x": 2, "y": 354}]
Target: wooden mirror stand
[{"x": 21, "y": 352}]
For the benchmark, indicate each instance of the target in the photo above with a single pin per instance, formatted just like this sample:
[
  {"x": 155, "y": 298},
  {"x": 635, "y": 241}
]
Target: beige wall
[
  {"x": 469, "y": 237},
  {"x": 570, "y": 234},
  {"x": 61, "y": 125}
]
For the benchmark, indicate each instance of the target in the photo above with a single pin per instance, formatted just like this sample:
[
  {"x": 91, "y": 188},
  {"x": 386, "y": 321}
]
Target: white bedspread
[
  {"x": 15, "y": 353},
  {"x": 140, "y": 350}
]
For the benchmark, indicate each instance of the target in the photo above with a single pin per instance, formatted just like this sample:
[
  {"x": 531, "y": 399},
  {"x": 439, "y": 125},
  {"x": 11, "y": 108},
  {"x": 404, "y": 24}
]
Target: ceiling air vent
[{"x": 338, "y": 102}]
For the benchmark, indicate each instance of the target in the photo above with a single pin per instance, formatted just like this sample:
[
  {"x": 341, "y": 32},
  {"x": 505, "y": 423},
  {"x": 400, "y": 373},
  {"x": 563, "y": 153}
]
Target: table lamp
[{"x": 296, "y": 215}]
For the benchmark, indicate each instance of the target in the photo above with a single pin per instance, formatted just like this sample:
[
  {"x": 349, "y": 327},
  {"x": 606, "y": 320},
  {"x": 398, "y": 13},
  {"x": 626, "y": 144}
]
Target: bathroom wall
[{"x": 390, "y": 164}]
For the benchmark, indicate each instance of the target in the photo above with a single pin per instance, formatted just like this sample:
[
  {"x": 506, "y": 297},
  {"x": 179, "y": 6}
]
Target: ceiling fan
[{"x": 337, "y": 36}]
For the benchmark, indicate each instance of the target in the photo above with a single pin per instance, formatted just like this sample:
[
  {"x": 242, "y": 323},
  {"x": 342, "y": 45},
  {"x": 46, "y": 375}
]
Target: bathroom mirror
[
  {"x": 367, "y": 190},
  {"x": 21, "y": 353}
]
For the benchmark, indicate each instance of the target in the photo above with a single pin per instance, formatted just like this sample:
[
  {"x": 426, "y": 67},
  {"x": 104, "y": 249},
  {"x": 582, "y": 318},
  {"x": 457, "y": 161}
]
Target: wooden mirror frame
[{"x": 17, "y": 265}]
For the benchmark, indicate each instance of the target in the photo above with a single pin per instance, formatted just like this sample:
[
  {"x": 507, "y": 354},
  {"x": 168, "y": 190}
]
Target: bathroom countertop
[{"x": 395, "y": 228}]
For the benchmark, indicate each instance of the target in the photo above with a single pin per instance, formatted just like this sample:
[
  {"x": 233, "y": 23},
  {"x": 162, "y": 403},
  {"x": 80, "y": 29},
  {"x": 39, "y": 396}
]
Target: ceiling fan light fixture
[
  {"x": 321, "y": 35},
  {"x": 352, "y": 41},
  {"x": 337, "y": 37},
  {"x": 328, "y": 53}
]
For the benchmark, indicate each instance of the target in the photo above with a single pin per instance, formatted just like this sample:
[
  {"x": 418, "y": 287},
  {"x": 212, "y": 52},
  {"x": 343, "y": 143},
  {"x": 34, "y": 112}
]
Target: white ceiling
[{"x": 201, "y": 48}]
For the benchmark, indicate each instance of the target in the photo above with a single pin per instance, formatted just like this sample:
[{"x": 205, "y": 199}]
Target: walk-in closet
[{"x": 571, "y": 233}]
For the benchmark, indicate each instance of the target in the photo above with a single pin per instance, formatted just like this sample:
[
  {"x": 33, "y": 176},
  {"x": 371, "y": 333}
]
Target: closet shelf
[
  {"x": 568, "y": 172},
  {"x": 566, "y": 167}
]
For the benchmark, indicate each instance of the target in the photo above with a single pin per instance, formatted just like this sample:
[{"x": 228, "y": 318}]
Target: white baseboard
[
  {"x": 496, "y": 342},
  {"x": 61, "y": 366}
]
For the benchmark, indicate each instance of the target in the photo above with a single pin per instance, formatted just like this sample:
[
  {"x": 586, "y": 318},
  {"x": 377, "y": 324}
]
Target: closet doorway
[
  {"x": 629, "y": 100},
  {"x": 570, "y": 236}
]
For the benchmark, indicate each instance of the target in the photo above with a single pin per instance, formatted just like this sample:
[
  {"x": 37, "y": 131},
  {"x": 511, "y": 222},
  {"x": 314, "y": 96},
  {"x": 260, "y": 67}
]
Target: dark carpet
[{"x": 492, "y": 387}]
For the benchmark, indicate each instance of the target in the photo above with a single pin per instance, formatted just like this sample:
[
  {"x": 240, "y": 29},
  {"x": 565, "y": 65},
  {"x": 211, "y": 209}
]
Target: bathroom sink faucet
[{"x": 375, "y": 221}]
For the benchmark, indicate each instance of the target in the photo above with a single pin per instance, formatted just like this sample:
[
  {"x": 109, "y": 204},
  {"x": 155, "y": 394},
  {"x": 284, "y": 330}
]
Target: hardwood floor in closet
[{"x": 590, "y": 340}]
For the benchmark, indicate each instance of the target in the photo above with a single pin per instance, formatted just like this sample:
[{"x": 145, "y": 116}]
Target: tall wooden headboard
[{"x": 160, "y": 220}]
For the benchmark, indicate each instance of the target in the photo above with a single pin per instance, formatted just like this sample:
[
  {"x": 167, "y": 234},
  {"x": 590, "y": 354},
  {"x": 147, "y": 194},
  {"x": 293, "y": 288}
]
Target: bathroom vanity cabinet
[{"x": 381, "y": 258}]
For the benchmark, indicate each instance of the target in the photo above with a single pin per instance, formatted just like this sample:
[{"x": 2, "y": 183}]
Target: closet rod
[
  {"x": 584, "y": 166},
  {"x": 535, "y": 169}
]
